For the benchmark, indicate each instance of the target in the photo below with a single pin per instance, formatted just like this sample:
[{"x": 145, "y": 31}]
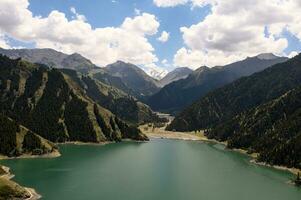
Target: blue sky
[
  {"x": 223, "y": 37},
  {"x": 106, "y": 13}
]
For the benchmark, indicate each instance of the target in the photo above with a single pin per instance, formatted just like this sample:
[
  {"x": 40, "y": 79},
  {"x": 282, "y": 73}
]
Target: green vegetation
[
  {"x": 118, "y": 102},
  {"x": 59, "y": 107},
  {"x": 8, "y": 134},
  {"x": 16, "y": 140},
  {"x": 273, "y": 130},
  {"x": 260, "y": 113},
  {"x": 177, "y": 95},
  {"x": 10, "y": 190},
  {"x": 76, "y": 111},
  {"x": 239, "y": 96},
  {"x": 298, "y": 180}
]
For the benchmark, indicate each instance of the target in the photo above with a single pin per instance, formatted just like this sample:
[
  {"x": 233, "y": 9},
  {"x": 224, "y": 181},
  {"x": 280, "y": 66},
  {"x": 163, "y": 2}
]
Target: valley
[
  {"x": 150, "y": 100},
  {"x": 43, "y": 109}
]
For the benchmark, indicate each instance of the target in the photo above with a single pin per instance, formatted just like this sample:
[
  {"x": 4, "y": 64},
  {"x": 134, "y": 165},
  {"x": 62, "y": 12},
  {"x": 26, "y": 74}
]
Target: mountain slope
[
  {"x": 239, "y": 96},
  {"x": 16, "y": 140},
  {"x": 52, "y": 58},
  {"x": 177, "y": 74},
  {"x": 51, "y": 104},
  {"x": 123, "y": 105},
  {"x": 134, "y": 78},
  {"x": 179, "y": 94},
  {"x": 273, "y": 130}
]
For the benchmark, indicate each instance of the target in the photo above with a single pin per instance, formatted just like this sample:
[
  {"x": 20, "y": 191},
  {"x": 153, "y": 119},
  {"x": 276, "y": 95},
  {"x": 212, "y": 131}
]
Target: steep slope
[
  {"x": 175, "y": 75},
  {"x": 10, "y": 190},
  {"x": 273, "y": 130},
  {"x": 52, "y": 58},
  {"x": 239, "y": 96},
  {"x": 16, "y": 140},
  {"x": 134, "y": 78},
  {"x": 54, "y": 106},
  {"x": 123, "y": 105},
  {"x": 177, "y": 95}
]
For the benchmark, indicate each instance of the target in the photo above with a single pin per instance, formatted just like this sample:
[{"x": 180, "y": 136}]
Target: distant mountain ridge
[
  {"x": 175, "y": 96},
  {"x": 176, "y": 74},
  {"x": 134, "y": 77},
  {"x": 248, "y": 92},
  {"x": 155, "y": 72},
  {"x": 133, "y": 111},
  {"x": 52, "y": 58}
]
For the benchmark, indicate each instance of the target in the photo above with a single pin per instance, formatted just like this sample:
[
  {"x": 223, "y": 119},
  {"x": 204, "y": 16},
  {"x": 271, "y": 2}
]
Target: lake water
[{"x": 156, "y": 170}]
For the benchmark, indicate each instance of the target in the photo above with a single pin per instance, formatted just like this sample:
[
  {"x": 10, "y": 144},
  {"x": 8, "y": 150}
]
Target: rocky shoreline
[{"x": 14, "y": 190}]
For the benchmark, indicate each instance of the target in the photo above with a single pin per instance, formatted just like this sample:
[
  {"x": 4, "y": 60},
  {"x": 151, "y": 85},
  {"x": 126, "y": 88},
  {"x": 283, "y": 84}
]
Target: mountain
[
  {"x": 155, "y": 72},
  {"x": 51, "y": 104},
  {"x": 246, "y": 93},
  {"x": 134, "y": 78},
  {"x": 134, "y": 111},
  {"x": 272, "y": 129},
  {"x": 121, "y": 104},
  {"x": 175, "y": 96},
  {"x": 52, "y": 58},
  {"x": 176, "y": 74},
  {"x": 16, "y": 140}
]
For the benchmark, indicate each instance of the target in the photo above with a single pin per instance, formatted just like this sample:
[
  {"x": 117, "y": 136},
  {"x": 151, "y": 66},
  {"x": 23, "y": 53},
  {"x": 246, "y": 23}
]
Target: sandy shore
[
  {"x": 86, "y": 143},
  {"x": 53, "y": 154},
  {"x": 292, "y": 170},
  {"x": 161, "y": 133}
]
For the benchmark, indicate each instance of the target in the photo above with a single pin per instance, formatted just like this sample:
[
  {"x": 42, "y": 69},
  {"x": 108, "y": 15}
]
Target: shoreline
[
  {"x": 53, "y": 154},
  {"x": 85, "y": 143},
  {"x": 9, "y": 176},
  {"x": 161, "y": 133},
  {"x": 151, "y": 133}
]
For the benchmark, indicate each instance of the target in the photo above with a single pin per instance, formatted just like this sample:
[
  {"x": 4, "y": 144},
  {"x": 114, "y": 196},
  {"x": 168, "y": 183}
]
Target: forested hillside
[
  {"x": 54, "y": 106},
  {"x": 177, "y": 95},
  {"x": 239, "y": 96}
]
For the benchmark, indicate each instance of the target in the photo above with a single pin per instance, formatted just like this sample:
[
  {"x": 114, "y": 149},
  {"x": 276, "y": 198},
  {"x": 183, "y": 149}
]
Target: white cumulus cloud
[
  {"x": 102, "y": 45},
  {"x": 173, "y": 3},
  {"x": 77, "y": 15},
  {"x": 236, "y": 29},
  {"x": 164, "y": 36}
]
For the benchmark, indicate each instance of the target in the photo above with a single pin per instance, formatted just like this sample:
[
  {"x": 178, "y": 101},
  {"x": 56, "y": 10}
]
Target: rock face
[
  {"x": 177, "y": 95},
  {"x": 54, "y": 106},
  {"x": 175, "y": 75},
  {"x": 134, "y": 77}
]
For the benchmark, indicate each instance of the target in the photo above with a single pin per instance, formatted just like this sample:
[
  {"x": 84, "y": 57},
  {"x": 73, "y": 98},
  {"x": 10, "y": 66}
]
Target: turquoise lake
[{"x": 155, "y": 170}]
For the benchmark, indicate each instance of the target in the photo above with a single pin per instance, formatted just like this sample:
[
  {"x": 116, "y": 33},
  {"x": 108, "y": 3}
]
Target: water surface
[{"x": 159, "y": 169}]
